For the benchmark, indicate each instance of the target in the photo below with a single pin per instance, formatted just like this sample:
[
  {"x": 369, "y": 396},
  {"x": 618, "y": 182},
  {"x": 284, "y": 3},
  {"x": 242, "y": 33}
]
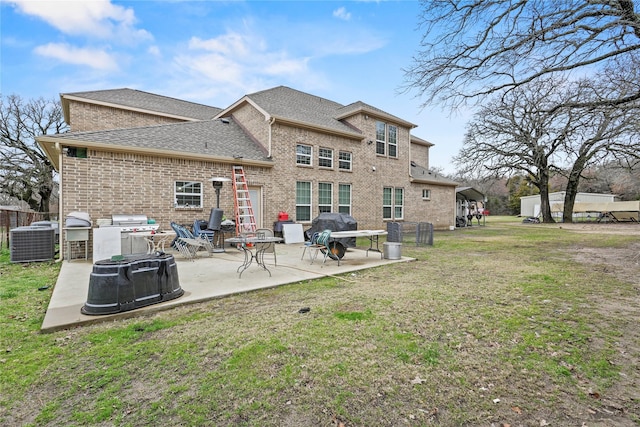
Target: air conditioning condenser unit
[{"x": 32, "y": 244}]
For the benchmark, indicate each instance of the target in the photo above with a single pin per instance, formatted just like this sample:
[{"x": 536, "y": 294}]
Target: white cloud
[
  {"x": 232, "y": 44},
  {"x": 239, "y": 60},
  {"x": 92, "y": 58},
  {"x": 341, "y": 13},
  {"x": 94, "y": 18},
  {"x": 154, "y": 50}
]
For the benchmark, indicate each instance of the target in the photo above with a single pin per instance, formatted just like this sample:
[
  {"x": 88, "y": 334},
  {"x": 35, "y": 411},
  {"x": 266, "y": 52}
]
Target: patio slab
[{"x": 205, "y": 278}]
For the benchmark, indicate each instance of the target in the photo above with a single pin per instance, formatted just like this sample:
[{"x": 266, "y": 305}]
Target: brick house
[{"x": 130, "y": 151}]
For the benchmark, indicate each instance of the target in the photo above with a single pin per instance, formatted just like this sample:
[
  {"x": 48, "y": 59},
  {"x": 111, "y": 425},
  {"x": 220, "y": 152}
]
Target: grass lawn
[{"x": 507, "y": 324}]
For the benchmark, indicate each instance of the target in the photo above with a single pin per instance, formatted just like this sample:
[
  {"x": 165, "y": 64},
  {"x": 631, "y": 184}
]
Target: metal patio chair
[{"x": 187, "y": 244}]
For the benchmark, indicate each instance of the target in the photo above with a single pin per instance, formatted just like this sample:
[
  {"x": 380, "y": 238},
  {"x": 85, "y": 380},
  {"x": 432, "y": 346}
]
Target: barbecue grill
[
  {"x": 132, "y": 223},
  {"x": 129, "y": 224}
]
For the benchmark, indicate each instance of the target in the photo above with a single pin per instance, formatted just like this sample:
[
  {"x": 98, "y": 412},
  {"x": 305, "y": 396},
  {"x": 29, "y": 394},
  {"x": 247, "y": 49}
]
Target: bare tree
[
  {"x": 477, "y": 48},
  {"x": 601, "y": 133},
  {"x": 517, "y": 134},
  {"x": 524, "y": 132},
  {"x": 25, "y": 171}
]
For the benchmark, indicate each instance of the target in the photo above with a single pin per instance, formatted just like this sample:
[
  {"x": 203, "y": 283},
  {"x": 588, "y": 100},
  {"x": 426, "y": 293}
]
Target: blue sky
[{"x": 214, "y": 52}]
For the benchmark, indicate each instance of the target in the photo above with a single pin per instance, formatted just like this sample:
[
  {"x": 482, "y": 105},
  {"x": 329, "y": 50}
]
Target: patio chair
[
  {"x": 267, "y": 248},
  {"x": 309, "y": 243},
  {"x": 187, "y": 244},
  {"x": 322, "y": 245},
  {"x": 200, "y": 230}
]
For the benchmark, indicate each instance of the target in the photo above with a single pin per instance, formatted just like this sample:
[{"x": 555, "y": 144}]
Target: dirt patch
[
  {"x": 624, "y": 265},
  {"x": 625, "y": 228}
]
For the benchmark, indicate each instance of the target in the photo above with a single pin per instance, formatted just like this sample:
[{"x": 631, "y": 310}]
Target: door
[{"x": 255, "y": 194}]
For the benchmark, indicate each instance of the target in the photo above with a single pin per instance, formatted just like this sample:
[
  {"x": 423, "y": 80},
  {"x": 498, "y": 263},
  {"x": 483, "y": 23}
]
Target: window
[
  {"x": 386, "y": 139},
  {"x": 325, "y": 197},
  {"x": 344, "y": 160},
  {"x": 393, "y": 141},
  {"x": 381, "y": 138},
  {"x": 398, "y": 207},
  {"x": 188, "y": 194},
  {"x": 325, "y": 158},
  {"x": 344, "y": 198},
  {"x": 79, "y": 152},
  {"x": 303, "y": 201},
  {"x": 304, "y": 154},
  {"x": 426, "y": 194},
  {"x": 392, "y": 203}
]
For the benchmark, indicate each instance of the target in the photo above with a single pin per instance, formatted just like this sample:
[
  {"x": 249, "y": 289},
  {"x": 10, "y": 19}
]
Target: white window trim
[
  {"x": 390, "y": 144},
  {"x": 350, "y": 198},
  {"x": 330, "y": 204},
  {"x": 176, "y": 193},
  {"x": 393, "y": 205},
  {"x": 309, "y": 156},
  {"x": 383, "y": 141},
  {"x": 310, "y": 205},
  {"x": 349, "y": 162},
  {"x": 330, "y": 159},
  {"x": 428, "y": 196}
]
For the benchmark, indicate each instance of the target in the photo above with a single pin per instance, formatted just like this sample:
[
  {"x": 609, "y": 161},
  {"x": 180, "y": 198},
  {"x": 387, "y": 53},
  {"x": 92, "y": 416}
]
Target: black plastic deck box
[{"x": 133, "y": 282}]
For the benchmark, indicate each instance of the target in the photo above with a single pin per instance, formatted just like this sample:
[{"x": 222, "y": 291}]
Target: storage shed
[{"x": 530, "y": 205}]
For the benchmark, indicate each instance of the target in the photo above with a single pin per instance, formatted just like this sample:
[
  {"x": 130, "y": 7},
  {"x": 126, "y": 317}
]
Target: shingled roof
[
  {"x": 145, "y": 101},
  {"x": 422, "y": 174},
  {"x": 289, "y": 105},
  {"x": 361, "y": 107},
  {"x": 213, "y": 139}
]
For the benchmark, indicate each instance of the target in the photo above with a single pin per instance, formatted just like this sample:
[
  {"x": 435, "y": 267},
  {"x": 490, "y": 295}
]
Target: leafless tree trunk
[
  {"x": 25, "y": 171},
  {"x": 518, "y": 134}
]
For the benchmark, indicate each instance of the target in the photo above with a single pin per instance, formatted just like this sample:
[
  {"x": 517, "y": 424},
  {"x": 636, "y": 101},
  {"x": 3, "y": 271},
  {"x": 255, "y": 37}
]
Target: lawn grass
[{"x": 495, "y": 324}]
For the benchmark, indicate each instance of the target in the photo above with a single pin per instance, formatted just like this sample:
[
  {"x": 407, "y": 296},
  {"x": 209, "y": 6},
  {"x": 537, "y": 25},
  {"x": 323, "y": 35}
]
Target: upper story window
[
  {"x": 344, "y": 160},
  {"x": 381, "y": 138},
  {"x": 325, "y": 157},
  {"x": 426, "y": 194},
  {"x": 393, "y": 141},
  {"x": 304, "y": 155},
  {"x": 188, "y": 194},
  {"x": 386, "y": 139}
]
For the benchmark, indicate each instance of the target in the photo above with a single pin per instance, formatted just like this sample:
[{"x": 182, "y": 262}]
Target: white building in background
[{"x": 530, "y": 205}]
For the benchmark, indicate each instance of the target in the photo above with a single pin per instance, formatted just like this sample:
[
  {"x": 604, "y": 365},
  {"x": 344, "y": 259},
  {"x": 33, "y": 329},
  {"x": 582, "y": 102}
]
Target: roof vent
[{"x": 225, "y": 121}]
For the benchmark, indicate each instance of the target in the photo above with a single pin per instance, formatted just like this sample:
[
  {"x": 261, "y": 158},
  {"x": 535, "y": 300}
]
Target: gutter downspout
[
  {"x": 271, "y": 122},
  {"x": 63, "y": 255}
]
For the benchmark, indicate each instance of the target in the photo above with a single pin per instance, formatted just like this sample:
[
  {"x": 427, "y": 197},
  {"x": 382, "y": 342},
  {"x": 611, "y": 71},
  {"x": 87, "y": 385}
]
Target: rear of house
[{"x": 134, "y": 152}]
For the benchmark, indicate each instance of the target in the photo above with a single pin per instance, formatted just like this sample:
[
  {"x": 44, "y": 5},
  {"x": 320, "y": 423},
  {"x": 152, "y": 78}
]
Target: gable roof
[
  {"x": 361, "y": 107},
  {"x": 222, "y": 140},
  {"x": 136, "y": 100},
  {"x": 292, "y": 106}
]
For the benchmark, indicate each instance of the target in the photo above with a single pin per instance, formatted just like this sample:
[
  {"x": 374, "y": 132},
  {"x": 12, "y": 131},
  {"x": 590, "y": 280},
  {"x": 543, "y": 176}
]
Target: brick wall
[
  {"x": 367, "y": 184},
  {"x": 88, "y": 117},
  {"x": 105, "y": 183},
  {"x": 108, "y": 183}
]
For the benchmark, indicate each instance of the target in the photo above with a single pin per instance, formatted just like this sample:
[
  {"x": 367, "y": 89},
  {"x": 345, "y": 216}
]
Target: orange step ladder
[{"x": 245, "y": 218}]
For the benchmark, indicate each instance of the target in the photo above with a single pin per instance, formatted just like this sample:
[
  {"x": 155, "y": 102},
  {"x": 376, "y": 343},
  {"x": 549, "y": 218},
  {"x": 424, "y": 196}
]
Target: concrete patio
[{"x": 203, "y": 279}]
